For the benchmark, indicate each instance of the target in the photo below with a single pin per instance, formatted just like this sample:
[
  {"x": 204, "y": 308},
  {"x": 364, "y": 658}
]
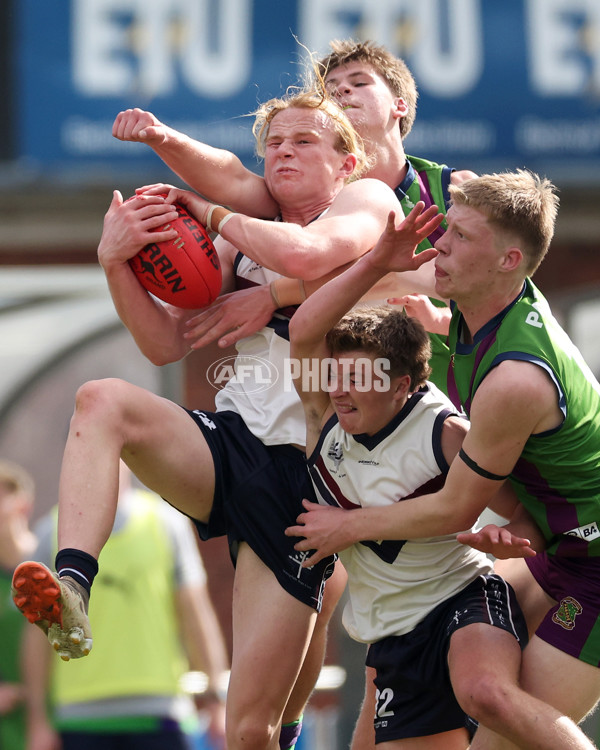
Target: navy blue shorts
[
  {"x": 258, "y": 493},
  {"x": 414, "y": 691}
]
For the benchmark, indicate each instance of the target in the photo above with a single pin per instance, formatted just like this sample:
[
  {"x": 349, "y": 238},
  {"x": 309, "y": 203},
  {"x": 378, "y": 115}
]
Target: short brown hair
[
  {"x": 387, "y": 333},
  {"x": 392, "y": 69},
  {"x": 518, "y": 203},
  {"x": 347, "y": 139}
]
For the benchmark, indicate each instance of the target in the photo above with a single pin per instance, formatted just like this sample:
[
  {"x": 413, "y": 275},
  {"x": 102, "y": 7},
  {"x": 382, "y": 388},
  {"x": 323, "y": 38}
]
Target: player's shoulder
[
  {"x": 516, "y": 385},
  {"x": 515, "y": 374},
  {"x": 369, "y": 189}
]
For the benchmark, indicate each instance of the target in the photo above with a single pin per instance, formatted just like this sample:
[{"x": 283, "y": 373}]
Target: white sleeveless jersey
[
  {"x": 393, "y": 585},
  {"x": 262, "y": 391}
]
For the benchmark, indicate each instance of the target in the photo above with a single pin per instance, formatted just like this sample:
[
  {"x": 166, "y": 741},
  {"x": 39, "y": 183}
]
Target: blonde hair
[
  {"x": 393, "y": 70},
  {"x": 386, "y": 333},
  {"x": 347, "y": 139},
  {"x": 521, "y": 204}
]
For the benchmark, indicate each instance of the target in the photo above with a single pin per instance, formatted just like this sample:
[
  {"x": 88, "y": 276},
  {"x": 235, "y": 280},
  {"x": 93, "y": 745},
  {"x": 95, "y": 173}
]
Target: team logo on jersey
[
  {"x": 336, "y": 454},
  {"x": 566, "y": 613}
]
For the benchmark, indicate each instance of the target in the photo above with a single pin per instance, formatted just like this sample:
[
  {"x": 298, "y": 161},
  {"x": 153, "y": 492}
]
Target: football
[{"x": 185, "y": 271}]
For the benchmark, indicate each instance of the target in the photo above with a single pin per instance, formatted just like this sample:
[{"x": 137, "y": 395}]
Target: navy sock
[{"x": 77, "y": 564}]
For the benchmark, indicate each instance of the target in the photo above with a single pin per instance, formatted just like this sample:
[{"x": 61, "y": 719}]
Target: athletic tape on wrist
[
  {"x": 209, "y": 217},
  {"x": 224, "y": 221},
  {"x": 274, "y": 296}
]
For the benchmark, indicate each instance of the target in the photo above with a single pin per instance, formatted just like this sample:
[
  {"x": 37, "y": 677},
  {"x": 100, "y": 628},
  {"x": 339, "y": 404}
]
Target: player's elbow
[
  {"x": 463, "y": 518},
  {"x": 158, "y": 360},
  {"x": 159, "y": 356}
]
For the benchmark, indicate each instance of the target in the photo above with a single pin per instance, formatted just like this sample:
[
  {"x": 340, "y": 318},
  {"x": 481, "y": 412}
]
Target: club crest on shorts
[{"x": 566, "y": 613}]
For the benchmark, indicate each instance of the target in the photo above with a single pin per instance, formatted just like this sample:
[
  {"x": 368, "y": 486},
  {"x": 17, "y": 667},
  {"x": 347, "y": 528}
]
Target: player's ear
[
  {"x": 348, "y": 166},
  {"x": 400, "y": 108},
  {"x": 401, "y": 386},
  {"x": 512, "y": 258}
]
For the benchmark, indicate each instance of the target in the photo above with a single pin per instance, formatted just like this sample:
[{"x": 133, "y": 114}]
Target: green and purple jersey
[
  {"x": 557, "y": 477},
  {"x": 428, "y": 182}
]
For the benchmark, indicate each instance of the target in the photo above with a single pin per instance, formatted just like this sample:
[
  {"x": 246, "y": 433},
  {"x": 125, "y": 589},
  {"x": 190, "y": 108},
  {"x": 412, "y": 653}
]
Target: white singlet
[
  {"x": 393, "y": 585},
  {"x": 262, "y": 391}
]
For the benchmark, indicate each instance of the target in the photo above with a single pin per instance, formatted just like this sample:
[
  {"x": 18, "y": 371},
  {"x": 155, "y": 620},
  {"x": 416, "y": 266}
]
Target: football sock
[
  {"x": 77, "y": 564},
  {"x": 289, "y": 734}
]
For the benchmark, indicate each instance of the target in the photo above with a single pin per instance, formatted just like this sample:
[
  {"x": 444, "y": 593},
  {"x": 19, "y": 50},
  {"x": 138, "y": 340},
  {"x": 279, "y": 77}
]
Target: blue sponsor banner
[{"x": 503, "y": 83}]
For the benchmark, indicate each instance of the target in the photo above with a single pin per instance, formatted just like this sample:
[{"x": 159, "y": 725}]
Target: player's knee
[
  {"x": 487, "y": 700},
  {"x": 99, "y": 397},
  {"x": 249, "y": 733}
]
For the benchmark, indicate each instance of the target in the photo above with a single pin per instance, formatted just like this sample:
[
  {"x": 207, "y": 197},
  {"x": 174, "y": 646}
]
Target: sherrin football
[{"x": 184, "y": 272}]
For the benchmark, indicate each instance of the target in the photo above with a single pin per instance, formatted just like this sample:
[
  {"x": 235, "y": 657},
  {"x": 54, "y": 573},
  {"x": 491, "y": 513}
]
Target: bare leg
[
  {"x": 363, "y": 737},
  {"x": 570, "y": 685},
  {"x": 271, "y": 632},
  {"x": 168, "y": 453},
  {"x": 311, "y": 668},
  {"x": 555, "y": 678},
  {"x": 484, "y": 666},
  {"x": 533, "y": 600},
  {"x": 156, "y": 439}
]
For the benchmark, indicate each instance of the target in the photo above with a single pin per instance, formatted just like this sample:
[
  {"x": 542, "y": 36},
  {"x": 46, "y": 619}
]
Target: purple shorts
[{"x": 573, "y": 625}]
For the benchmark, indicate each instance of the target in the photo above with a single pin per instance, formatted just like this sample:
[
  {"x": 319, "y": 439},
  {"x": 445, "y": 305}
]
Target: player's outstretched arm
[
  {"x": 349, "y": 229},
  {"x": 217, "y": 174},
  {"x": 328, "y": 304}
]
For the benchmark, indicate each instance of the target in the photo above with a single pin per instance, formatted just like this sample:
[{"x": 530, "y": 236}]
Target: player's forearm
[
  {"x": 400, "y": 521},
  {"x": 454, "y": 508},
  {"x": 299, "y": 252},
  {"x": 156, "y": 332},
  {"x": 328, "y": 304},
  {"x": 217, "y": 174},
  {"x": 421, "y": 281}
]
